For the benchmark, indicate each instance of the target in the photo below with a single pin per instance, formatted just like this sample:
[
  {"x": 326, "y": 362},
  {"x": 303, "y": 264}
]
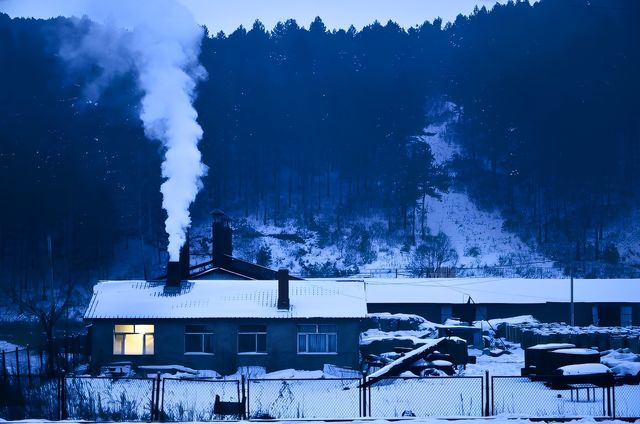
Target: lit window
[
  {"x": 133, "y": 339},
  {"x": 198, "y": 339},
  {"x": 252, "y": 339},
  {"x": 320, "y": 338}
]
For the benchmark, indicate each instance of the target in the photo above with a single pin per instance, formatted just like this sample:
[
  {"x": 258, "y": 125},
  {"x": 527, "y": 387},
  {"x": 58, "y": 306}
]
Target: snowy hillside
[
  {"x": 477, "y": 235},
  {"x": 364, "y": 245}
]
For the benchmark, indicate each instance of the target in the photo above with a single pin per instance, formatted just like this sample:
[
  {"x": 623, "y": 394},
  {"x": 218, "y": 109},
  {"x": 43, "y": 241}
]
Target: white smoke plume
[{"x": 159, "y": 41}]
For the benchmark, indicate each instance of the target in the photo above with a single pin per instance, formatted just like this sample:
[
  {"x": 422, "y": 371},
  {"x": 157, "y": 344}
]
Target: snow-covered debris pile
[
  {"x": 434, "y": 356},
  {"x": 387, "y": 322},
  {"x": 582, "y": 369},
  {"x": 576, "y": 351},
  {"x": 498, "y": 324},
  {"x": 384, "y": 331},
  {"x": 622, "y": 362}
]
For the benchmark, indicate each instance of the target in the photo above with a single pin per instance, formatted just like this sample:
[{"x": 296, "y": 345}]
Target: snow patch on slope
[{"x": 477, "y": 235}]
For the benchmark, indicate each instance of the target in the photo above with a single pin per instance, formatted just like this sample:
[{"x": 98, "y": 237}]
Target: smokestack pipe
[
  {"x": 173, "y": 274},
  {"x": 185, "y": 260},
  {"x": 283, "y": 289},
  {"x": 221, "y": 239}
]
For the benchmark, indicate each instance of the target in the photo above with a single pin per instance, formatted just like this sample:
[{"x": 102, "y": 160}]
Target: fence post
[
  {"x": 243, "y": 400},
  {"x": 4, "y": 364},
  {"x": 65, "y": 345},
  {"x": 17, "y": 363},
  {"x": 28, "y": 362},
  {"x": 486, "y": 393},
  {"x": 157, "y": 382},
  {"x": 63, "y": 397},
  {"x": 363, "y": 394},
  {"x": 613, "y": 406},
  {"x": 58, "y": 397}
]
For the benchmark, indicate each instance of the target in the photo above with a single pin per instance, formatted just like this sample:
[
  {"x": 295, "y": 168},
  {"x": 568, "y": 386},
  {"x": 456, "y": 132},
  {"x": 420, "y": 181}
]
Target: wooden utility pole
[{"x": 572, "y": 306}]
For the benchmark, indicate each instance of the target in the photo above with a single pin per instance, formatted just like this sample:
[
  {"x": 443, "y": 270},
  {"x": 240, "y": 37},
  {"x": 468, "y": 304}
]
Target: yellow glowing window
[{"x": 131, "y": 339}]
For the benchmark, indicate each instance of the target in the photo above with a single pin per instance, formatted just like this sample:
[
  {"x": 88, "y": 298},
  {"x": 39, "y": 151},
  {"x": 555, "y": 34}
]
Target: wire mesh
[
  {"x": 426, "y": 396},
  {"x": 23, "y": 398},
  {"x": 304, "y": 398},
  {"x": 107, "y": 399},
  {"x": 523, "y": 397},
  {"x": 627, "y": 401},
  {"x": 194, "y": 400}
]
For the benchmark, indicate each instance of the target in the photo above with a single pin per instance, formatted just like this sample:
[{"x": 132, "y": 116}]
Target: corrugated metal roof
[
  {"x": 226, "y": 299},
  {"x": 500, "y": 290}
]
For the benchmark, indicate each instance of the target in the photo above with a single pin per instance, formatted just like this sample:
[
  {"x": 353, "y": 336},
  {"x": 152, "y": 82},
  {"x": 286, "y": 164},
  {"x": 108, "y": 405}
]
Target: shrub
[
  {"x": 263, "y": 256},
  {"x": 611, "y": 254}
]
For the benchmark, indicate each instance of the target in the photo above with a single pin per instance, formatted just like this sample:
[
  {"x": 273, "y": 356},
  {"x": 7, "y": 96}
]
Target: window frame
[
  {"x": 254, "y": 333},
  {"x": 326, "y": 334},
  {"x": 123, "y": 342},
  {"x": 207, "y": 331}
]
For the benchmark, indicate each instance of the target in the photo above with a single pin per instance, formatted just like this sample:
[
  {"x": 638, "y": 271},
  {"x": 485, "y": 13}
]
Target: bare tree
[
  {"x": 432, "y": 254},
  {"x": 48, "y": 311}
]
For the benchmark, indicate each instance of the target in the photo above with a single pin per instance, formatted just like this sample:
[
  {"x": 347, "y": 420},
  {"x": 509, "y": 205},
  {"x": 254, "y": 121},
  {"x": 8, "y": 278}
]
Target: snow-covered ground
[{"x": 500, "y": 420}]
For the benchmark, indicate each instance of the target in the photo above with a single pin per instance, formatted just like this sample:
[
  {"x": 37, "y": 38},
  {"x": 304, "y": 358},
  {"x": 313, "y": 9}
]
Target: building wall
[
  {"x": 281, "y": 345},
  {"x": 545, "y": 312}
]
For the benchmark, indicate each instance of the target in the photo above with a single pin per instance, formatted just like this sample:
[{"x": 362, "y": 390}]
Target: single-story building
[
  {"x": 602, "y": 302},
  {"x": 224, "y": 324}
]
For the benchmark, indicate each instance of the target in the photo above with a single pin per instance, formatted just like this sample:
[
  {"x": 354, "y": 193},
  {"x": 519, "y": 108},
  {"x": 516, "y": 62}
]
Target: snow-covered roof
[
  {"x": 499, "y": 290},
  {"x": 227, "y": 299}
]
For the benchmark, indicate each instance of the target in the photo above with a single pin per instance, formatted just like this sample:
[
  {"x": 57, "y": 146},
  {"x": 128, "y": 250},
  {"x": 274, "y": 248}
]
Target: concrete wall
[{"x": 281, "y": 345}]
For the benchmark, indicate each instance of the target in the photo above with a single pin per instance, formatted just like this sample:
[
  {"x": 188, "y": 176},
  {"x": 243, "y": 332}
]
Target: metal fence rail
[
  {"x": 64, "y": 353},
  {"x": 426, "y": 396},
  {"x": 194, "y": 400},
  {"x": 523, "y": 397},
  {"x": 108, "y": 399},
  {"x": 304, "y": 398}
]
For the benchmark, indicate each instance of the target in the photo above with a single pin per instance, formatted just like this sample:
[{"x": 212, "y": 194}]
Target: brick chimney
[
  {"x": 173, "y": 274},
  {"x": 221, "y": 238},
  {"x": 283, "y": 289}
]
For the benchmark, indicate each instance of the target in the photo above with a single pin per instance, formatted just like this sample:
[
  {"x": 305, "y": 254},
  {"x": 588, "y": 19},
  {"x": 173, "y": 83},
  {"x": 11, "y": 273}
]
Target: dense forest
[{"x": 300, "y": 121}]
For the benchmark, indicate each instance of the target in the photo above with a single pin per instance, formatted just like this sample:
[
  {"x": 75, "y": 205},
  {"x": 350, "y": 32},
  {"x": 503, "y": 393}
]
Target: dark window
[
  {"x": 252, "y": 339},
  {"x": 198, "y": 339},
  {"x": 317, "y": 338}
]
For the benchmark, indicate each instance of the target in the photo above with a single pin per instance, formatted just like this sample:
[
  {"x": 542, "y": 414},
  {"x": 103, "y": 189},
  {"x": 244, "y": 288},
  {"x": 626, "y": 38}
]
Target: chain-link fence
[
  {"x": 195, "y": 400},
  {"x": 23, "y": 397},
  {"x": 169, "y": 399},
  {"x": 523, "y": 397},
  {"x": 626, "y": 401},
  {"x": 426, "y": 396},
  {"x": 109, "y": 399},
  {"x": 304, "y": 398}
]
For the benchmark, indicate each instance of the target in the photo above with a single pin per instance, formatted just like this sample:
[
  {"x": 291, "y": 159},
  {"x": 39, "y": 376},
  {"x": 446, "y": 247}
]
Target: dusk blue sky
[{"x": 227, "y": 15}]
